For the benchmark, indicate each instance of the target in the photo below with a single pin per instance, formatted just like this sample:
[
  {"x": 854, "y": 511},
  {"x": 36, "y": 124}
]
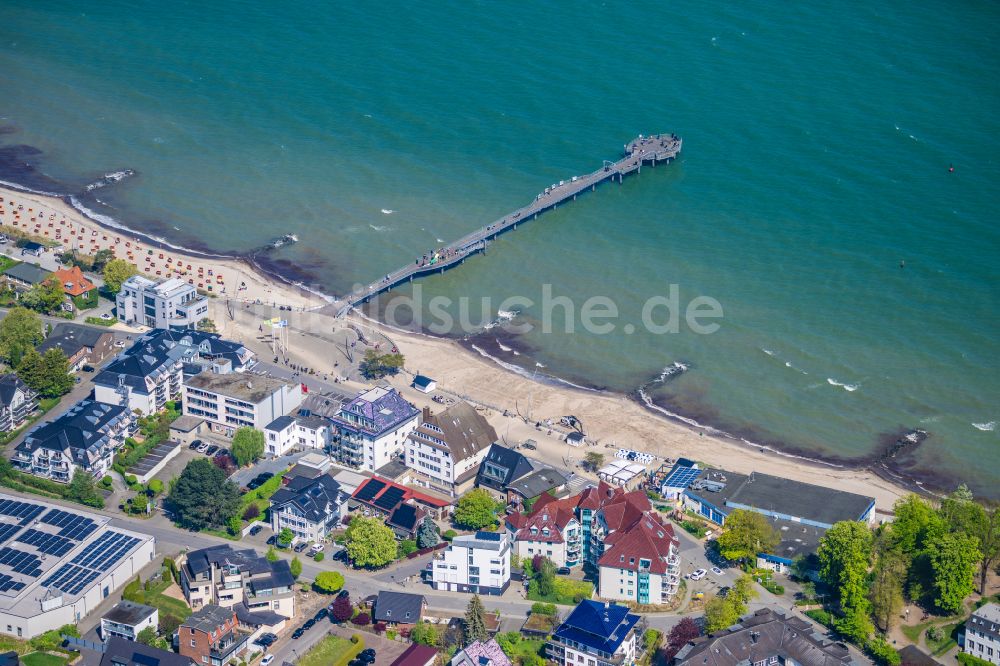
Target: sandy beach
[
  {"x": 54, "y": 220},
  {"x": 608, "y": 419}
]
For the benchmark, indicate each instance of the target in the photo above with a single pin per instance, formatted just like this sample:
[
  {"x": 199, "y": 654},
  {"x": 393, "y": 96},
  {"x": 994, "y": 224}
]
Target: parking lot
[{"x": 273, "y": 465}]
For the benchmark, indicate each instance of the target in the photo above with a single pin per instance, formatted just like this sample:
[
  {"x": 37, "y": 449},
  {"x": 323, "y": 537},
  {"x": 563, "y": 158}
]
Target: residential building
[
  {"x": 982, "y": 633},
  {"x": 17, "y": 402},
  {"x": 595, "y": 634},
  {"x": 58, "y": 565},
  {"x": 143, "y": 379},
  {"x": 74, "y": 283},
  {"x": 207, "y": 351},
  {"x": 424, "y": 384},
  {"x": 229, "y": 578},
  {"x": 286, "y": 433},
  {"x": 641, "y": 563},
  {"x": 123, "y": 652},
  {"x": 170, "y": 303},
  {"x": 399, "y": 608},
  {"x": 31, "y": 248},
  {"x": 446, "y": 449},
  {"x": 501, "y": 467},
  {"x": 231, "y": 401},
  {"x": 185, "y": 429},
  {"x": 417, "y": 655},
  {"x": 478, "y": 563},
  {"x": 24, "y": 276},
  {"x": 211, "y": 635},
  {"x": 310, "y": 507},
  {"x": 82, "y": 345},
  {"x": 372, "y": 428},
  {"x": 802, "y": 512},
  {"x": 86, "y": 437},
  {"x": 530, "y": 487},
  {"x": 480, "y": 653},
  {"x": 126, "y": 619},
  {"x": 551, "y": 530},
  {"x": 382, "y": 497},
  {"x": 765, "y": 638}
]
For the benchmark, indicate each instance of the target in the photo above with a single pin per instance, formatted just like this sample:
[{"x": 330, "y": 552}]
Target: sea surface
[{"x": 858, "y": 275}]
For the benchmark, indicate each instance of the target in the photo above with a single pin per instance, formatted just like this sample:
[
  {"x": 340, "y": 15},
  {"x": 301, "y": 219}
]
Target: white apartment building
[
  {"x": 477, "y": 563},
  {"x": 126, "y": 619},
  {"x": 232, "y": 578},
  {"x": 171, "y": 303},
  {"x": 446, "y": 449},
  {"x": 595, "y": 633},
  {"x": 551, "y": 531},
  {"x": 144, "y": 378},
  {"x": 286, "y": 433},
  {"x": 232, "y": 401},
  {"x": 310, "y": 507},
  {"x": 370, "y": 430},
  {"x": 982, "y": 634}
]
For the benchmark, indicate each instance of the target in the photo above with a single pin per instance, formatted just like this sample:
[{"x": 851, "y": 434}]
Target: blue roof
[
  {"x": 488, "y": 536},
  {"x": 600, "y": 626},
  {"x": 681, "y": 476},
  {"x": 423, "y": 381}
]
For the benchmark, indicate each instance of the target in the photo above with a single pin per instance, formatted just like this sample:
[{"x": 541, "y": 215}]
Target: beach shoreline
[{"x": 519, "y": 401}]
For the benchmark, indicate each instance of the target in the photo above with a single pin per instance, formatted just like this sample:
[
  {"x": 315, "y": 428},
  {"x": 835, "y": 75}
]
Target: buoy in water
[
  {"x": 902, "y": 264},
  {"x": 951, "y": 169}
]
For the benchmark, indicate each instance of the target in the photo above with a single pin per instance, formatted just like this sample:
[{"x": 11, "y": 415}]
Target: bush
[
  {"x": 319, "y": 556},
  {"x": 971, "y": 660},
  {"x": 329, "y": 582},
  {"x": 542, "y": 608},
  {"x": 881, "y": 652},
  {"x": 356, "y": 638},
  {"x": 449, "y": 535},
  {"x": 824, "y": 617},
  {"x": 106, "y": 481},
  {"x": 362, "y": 619},
  {"x": 252, "y": 511},
  {"x": 407, "y": 547}
]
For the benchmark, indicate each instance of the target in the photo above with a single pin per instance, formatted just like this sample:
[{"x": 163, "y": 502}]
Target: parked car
[
  {"x": 195, "y": 444},
  {"x": 211, "y": 451},
  {"x": 316, "y": 548},
  {"x": 321, "y": 614},
  {"x": 342, "y": 594},
  {"x": 300, "y": 547},
  {"x": 255, "y": 530},
  {"x": 106, "y": 317},
  {"x": 367, "y": 655},
  {"x": 564, "y": 571},
  {"x": 266, "y": 661},
  {"x": 309, "y": 624},
  {"x": 717, "y": 571},
  {"x": 202, "y": 447},
  {"x": 272, "y": 540},
  {"x": 297, "y": 634},
  {"x": 529, "y": 445},
  {"x": 88, "y": 368},
  {"x": 254, "y": 484},
  {"x": 698, "y": 574}
]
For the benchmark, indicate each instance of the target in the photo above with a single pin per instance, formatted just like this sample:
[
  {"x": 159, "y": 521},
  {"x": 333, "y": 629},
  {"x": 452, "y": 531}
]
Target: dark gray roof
[
  {"x": 511, "y": 464},
  {"x": 10, "y": 384},
  {"x": 128, "y": 612},
  {"x": 802, "y": 500},
  {"x": 202, "y": 346},
  {"x": 324, "y": 405},
  {"x": 312, "y": 421},
  {"x": 122, "y": 651},
  {"x": 28, "y": 273},
  {"x": 399, "y": 607},
  {"x": 315, "y": 497},
  {"x": 70, "y": 338},
  {"x": 464, "y": 430},
  {"x": 797, "y": 538},
  {"x": 280, "y": 423},
  {"x": 986, "y": 619},
  {"x": 405, "y": 517},
  {"x": 81, "y": 429},
  {"x": 537, "y": 482},
  {"x": 375, "y": 411},
  {"x": 208, "y": 618},
  {"x": 762, "y": 635},
  {"x": 281, "y": 576},
  {"x": 141, "y": 360},
  {"x": 247, "y": 560},
  {"x": 422, "y": 381},
  {"x": 260, "y": 618},
  {"x": 392, "y": 470},
  {"x": 911, "y": 655}
]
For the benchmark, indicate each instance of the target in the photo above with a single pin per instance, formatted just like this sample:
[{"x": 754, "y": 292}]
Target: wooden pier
[{"x": 642, "y": 150}]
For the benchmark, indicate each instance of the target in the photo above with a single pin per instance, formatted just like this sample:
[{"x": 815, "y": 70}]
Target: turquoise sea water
[{"x": 817, "y": 140}]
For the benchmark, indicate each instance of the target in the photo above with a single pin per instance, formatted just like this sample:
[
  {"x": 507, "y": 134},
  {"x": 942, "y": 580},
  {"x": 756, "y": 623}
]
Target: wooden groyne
[{"x": 642, "y": 150}]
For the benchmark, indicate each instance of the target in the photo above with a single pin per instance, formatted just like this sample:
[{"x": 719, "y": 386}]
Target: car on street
[
  {"x": 342, "y": 594},
  {"x": 321, "y": 614},
  {"x": 367, "y": 655},
  {"x": 698, "y": 574},
  {"x": 254, "y": 484},
  {"x": 211, "y": 451},
  {"x": 717, "y": 571},
  {"x": 315, "y": 548},
  {"x": 309, "y": 624},
  {"x": 255, "y": 530},
  {"x": 203, "y": 447},
  {"x": 564, "y": 571},
  {"x": 529, "y": 445},
  {"x": 297, "y": 634},
  {"x": 266, "y": 661}
]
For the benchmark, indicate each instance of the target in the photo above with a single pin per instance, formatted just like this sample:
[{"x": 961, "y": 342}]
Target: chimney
[
  {"x": 753, "y": 637},
  {"x": 427, "y": 414}
]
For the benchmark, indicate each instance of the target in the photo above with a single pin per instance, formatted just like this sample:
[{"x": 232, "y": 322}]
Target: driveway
[{"x": 273, "y": 465}]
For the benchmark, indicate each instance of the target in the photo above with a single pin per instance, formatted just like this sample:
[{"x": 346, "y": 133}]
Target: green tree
[
  {"x": 427, "y": 534},
  {"x": 593, "y": 460},
  {"x": 206, "y": 325},
  {"x": 248, "y": 445},
  {"x": 147, "y": 636},
  {"x": 742, "y": 593},
  {"x": 369, "y": 542},
  {"x": 965, "y": 516},
  {"x": 746, "y": 534},
  {"x": 272, "y": 554},
  {"x": 286, "y": 536},
  {"x": 117, "y": 271},
  {"x": 101, "y": 259},
  {"x": 475, "y": 621},
  {"x": 425, "y": 633},
  {"x": 47, "y": 374},
  {"x": 844, "y": 553},
  {"x": 295, "y": 567},
  {"x": 83, "y": 490},
  {"x": 719, "y": 614},
  {"x": 476, "y": 510},
  {"x": 377, "y": 366},
  {"x": 46, "y": 296},
  {"x": 953, "y": 559},
  {"x": 20, "y": 331},
  {"x": 202, "y": 497},
  {"x": 329, "y": 582},
  {"x": 545, "y": 575},
  {"x": 887, "y": 586},
  {"x": 915, "y": 524}
]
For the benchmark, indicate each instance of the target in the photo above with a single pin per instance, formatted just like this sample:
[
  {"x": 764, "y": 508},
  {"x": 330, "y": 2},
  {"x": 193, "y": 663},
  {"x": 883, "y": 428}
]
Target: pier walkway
[{"x": 642, "y": 150}]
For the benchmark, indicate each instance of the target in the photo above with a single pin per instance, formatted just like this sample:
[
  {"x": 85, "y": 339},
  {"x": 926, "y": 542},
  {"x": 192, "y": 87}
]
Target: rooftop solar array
[
  {"x": 390, "y": 498},
  {"x": 72, "y": 526},
  {"x": 370, "y": 490},
  {"x": 71, "y": 579},
  {"x": 22, "y": 510},
  {"x": 681, "y": 477},
  {"x": 7, "y": 584},
  {"x": 7, "y": 530},
  {"x": 21, "y": 562},
  {"x": 50, "y": 544},
  {"x": 104, "y": 553}
]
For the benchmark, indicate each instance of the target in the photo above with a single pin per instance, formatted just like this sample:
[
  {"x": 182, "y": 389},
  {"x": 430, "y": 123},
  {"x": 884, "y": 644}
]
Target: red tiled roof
[
  {"x": 555, "y": 520},
  {"x": 648, "y": 539},
  {"x": 73, "y": 281}
]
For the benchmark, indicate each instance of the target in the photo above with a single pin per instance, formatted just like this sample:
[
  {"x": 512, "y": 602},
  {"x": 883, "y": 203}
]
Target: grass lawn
[
  {"x": 6, "y": 262},
  {"x": 938, "y": 648},
  {"x": 42, "y": 659},
  {"x": 565, "y": 591},
  {"x": 523, "y": 648},
  {"x": 332, "y": 651}
]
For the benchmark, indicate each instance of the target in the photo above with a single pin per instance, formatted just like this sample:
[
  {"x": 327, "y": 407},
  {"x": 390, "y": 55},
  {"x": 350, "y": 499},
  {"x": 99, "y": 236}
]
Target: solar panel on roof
[
  {"x": 72, "y": 526},
  {"x": 50, "y": 544},
  {"x": 7, "y": 530},
  {"x": 390, "y": 498},
  {"x": 106, "y": 551},
  {"x": 681, "y": 477},
  {"x": 21, "y": 562},
  {"x": 23, "y": 510},
  {"x": 370, "y": 490}
]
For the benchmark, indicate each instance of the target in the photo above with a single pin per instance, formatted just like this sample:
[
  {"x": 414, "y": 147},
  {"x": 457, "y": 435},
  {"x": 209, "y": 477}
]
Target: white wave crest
[
  {"x": 989, "y": 426},
  {"x": 767, "y": 351},
  {"x": 387, "y": 211},
  {"x": 503, "y": 346},
  {"x": 110, "y": 178},
  {"x": 847, "y": 387},
  {"x": 377, "y": 228}
]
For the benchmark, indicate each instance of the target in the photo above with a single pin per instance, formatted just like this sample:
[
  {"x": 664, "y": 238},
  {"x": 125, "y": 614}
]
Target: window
[{"x": 192, "y": 642}]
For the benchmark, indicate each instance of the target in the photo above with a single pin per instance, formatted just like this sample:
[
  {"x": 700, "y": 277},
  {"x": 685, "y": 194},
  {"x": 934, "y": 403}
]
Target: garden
[{"x": 333, "y": 651}]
